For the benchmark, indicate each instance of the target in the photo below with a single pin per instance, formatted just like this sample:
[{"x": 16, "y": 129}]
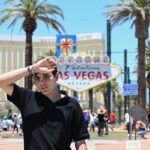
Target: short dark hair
[{"x": 54, "y": 72}]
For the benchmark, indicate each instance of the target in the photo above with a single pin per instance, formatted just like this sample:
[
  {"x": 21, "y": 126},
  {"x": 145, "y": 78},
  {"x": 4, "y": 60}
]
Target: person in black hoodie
[{"x": 51, "y": 119}]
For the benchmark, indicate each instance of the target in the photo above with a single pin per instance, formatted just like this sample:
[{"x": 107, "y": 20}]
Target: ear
[{"x": 35, "y": 86}]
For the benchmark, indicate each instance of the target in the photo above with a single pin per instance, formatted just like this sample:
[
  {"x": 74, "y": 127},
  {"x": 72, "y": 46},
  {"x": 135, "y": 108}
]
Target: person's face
[{"x": 45, "y": 83}]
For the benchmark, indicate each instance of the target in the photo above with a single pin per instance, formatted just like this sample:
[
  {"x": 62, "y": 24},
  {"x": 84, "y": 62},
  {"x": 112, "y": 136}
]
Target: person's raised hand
[{"x": 46, "y": 65}]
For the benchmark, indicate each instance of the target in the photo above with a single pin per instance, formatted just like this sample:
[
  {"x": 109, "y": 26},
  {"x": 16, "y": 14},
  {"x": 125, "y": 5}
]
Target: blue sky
[{"x": 86, "y": 16}]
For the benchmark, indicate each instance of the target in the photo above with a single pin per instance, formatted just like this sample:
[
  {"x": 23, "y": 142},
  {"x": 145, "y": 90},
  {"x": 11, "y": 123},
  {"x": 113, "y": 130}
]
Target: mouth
[{"x": 44, "y": 88}]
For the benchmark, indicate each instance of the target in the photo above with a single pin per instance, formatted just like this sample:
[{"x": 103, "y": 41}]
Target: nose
[{"x": 42, "y": 83}]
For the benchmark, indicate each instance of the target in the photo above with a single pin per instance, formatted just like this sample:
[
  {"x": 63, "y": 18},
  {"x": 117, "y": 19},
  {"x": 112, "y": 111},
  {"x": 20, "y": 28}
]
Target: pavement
[
  {"x": 143, "y": 144},
  {"x": 99, "y": 144}
]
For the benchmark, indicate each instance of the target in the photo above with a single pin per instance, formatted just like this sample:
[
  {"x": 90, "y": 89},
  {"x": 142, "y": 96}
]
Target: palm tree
[
  {"x": 31, "y": 11},
  {"x": 137, "y": 11}
]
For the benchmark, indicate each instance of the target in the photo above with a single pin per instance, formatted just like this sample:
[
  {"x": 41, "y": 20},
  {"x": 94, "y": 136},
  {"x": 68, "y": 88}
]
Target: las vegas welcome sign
[{"x": 81, "y": 73}]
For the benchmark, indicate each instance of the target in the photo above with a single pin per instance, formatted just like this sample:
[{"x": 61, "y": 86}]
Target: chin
[{"x": 45, "y": 92}]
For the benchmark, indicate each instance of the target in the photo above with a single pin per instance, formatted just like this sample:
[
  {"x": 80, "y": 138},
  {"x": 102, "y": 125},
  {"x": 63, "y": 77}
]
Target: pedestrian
[
  {"x": 106, "y": 123},
  {"x": 112, "y": 119},
  {"x": 9, "y": 119},
  {"x": 51, "y": 118},
  {"x": 5, "y": 126},
  {"x": 93, "y": 117},
  {"x": 141, "y": 129},
  {"x": 20, "y": 124},
  {"x": 101, "y": 120},
  {"x": 87, "y": 118},
  {"x": 15, "y": 124},
  {"x": 9, "y": 114},
  {"x": 129, "y": 123}
]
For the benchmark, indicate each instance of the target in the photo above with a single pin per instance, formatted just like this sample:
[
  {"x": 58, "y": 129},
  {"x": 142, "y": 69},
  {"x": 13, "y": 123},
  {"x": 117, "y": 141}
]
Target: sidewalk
[
  {"x": 17, "y": 144},
  {"x": 11, "y": 144}
]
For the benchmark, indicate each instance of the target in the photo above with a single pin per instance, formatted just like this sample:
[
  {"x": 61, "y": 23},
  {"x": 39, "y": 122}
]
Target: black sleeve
[
  {"x": 80, "y": 131},
  {"x": 18, "y": 96}
]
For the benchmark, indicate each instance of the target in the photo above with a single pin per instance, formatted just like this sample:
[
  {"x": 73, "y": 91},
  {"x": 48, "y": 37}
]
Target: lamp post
[
  {"x": 125, "y": 79},
  {"x": 109, "y": 54}
]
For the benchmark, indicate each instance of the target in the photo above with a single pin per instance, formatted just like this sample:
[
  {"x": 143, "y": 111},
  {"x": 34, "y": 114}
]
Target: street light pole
[
  {"x": 125, "y": 79},
  {"x": 108, "y": 99}
]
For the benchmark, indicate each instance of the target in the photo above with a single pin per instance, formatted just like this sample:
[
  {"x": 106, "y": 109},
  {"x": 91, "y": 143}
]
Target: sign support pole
[
  {"x": 128, "y": 70},
  {"x": 91, "y": 100}
]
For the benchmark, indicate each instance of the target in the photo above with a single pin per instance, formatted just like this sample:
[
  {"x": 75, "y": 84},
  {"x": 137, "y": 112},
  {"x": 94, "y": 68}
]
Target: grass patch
[{"x": 113, "y": 135}]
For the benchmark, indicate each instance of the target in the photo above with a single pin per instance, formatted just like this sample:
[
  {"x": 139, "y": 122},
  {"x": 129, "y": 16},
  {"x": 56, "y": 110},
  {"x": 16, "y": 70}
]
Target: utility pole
[
  {"x": 128, "y": 77},
  {"x": 125, "y": 79},
  {"x": 108, "y": 99}
]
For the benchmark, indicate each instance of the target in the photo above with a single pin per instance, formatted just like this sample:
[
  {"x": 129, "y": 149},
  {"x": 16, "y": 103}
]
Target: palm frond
[
  {"x": 53, "y": 23},
  {"x": 9, "y": 1},
  {"x": 7, "y": 10},
  {"x": 45, "y": 20},
  {"x": 57, "y": 26},
  {"x": 128, "y": 10},
  {"x": 34, "y": 9},
  {"x": 15, "y": 20},
  {"x": 6, "y": 17},
  {"x": 53, "y": 9}
]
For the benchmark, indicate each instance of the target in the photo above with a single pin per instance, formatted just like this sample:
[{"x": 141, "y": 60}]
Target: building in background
[{"x": 12, "y": 54}]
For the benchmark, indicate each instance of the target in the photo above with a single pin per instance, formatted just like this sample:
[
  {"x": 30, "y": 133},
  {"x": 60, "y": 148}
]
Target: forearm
[
  {"x": 81, "y": 145},
  {"x": 12, "y": 76}
]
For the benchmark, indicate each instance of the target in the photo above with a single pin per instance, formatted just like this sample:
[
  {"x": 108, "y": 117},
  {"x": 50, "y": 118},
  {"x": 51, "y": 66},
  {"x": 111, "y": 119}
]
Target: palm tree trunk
[
  {"x": 28, "y": 59},
  {"x": 141, "y": 72}
]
